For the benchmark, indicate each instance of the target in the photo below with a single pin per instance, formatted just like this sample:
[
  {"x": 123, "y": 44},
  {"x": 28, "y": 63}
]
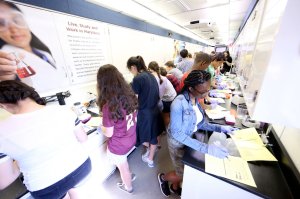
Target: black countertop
[{"x": 268, "y": 176}]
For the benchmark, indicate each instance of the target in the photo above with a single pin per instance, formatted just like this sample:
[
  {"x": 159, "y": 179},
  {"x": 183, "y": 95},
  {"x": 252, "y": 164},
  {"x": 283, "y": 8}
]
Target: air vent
[
  {"x": 207, "y": 31},
  {"x": 194, "y": 22}
]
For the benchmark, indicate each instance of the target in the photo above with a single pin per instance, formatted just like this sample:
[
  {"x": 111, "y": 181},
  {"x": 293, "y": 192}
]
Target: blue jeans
[{"x": 59, "y": 189}]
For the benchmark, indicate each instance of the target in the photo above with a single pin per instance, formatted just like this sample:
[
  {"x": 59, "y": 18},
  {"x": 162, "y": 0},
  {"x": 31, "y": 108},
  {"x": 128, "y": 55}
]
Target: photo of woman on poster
[{"x": 22, "y": 55}]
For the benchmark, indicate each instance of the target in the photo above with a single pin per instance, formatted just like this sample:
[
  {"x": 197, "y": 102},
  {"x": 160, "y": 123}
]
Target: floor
[{"x": 146, "y": 184}]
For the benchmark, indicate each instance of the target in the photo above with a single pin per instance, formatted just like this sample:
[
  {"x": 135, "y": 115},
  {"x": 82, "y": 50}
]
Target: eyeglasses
[
  {"x": 12, "y": 18},
  {"x": 201, "y": 93}
]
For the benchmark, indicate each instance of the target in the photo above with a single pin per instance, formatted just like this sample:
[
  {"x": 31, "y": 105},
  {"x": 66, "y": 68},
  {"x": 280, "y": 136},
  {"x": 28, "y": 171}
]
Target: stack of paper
[
  {"x": 217, "y": 113},
  {"x": 233, "y": 168},
  {"x": 250, "y": 146}
]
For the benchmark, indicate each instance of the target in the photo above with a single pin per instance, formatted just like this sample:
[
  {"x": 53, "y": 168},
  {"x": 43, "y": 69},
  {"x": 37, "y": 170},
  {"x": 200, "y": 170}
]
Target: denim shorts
[
  {"x": 176, "y": 150},
  {"x": 59, "y": 189}
]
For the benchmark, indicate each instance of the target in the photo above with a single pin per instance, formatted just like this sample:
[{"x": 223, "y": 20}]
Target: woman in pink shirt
[{"x": 118, "y": 104}]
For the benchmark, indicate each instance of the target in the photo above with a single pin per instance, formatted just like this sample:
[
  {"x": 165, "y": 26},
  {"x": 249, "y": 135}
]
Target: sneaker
[
  {"x": 146, "y": 154},
  {"x": 122, "y": 187},
  {"x": 133, "y": 177},
  {"x": 149, "y": 162},
  {"x": 164, "y": 187},
  {"x": 178, "y": 191}
]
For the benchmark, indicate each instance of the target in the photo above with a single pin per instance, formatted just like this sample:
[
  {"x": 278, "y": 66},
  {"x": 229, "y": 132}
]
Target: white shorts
[{"x": 116, "y": 159}]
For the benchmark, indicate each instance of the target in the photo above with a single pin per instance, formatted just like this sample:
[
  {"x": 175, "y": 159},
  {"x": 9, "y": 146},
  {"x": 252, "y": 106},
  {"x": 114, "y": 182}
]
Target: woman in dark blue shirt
[{"x": 149, "y": 122}]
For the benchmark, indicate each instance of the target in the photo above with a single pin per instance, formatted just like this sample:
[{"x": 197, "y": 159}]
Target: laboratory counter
[{"x": 268, "y": 177}]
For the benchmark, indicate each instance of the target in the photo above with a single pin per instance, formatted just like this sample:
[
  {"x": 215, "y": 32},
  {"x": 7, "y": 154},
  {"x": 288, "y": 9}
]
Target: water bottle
[{"x": 79, "y": 109}]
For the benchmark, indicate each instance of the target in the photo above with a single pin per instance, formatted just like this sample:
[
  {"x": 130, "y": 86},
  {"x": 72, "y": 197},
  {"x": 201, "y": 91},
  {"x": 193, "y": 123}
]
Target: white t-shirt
[
  {"x": 199, "y": 116},
  {"x": 167, "y": 92},
  {"x": 44, "y": 145}
]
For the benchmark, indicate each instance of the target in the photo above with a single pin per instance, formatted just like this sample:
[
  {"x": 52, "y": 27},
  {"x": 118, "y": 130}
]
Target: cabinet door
[
  {"x": 247, "y": 46},
  {"x": 267, "y": 65},
  {"x": 101, "y": 167}
]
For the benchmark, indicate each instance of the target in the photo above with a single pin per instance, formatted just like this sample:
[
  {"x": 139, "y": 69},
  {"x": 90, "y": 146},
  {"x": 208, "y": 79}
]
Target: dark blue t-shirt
[{"x": 145, "y": 85}]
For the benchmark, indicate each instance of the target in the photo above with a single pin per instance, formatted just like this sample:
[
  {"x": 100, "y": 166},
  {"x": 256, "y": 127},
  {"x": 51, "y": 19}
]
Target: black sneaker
[
  {"x": 164, "y": 187},
  {"x": 177, "y": 191}
]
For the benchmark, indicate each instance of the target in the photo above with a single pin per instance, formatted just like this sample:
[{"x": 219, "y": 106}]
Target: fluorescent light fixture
[{"x": 136, "y": 10}]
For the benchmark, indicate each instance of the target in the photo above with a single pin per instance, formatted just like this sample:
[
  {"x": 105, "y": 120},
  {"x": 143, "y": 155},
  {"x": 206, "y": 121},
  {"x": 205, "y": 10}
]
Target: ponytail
[
  {"x": 12, "y": 91},
  {"x": 36, "y": 97},
  {"x": 137, "y": 61},
  {"x": 154, "y": 66}
]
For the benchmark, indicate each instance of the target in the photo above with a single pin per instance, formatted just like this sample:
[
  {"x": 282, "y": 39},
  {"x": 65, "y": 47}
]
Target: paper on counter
[
  {"x": 256, "y": 154},
  {"x": 218, "y": 100},
  {"x": 248, "y": 134},
  {"x": 250, "y": 146},
  {"x": 95, "y": 121},
  {"x": 94, "y": 110},
  {"x": 221, "y": 91},
  {"x": 216, "y": 114},
  {"x": 233, "y": 168}
]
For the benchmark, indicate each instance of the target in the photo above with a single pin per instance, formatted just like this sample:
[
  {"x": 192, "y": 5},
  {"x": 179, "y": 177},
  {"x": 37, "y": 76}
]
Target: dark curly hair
[
  {"x": 12, "y": 91},
  {"x": 115, "y": 92},
  {"x": 194, "y": 78}
]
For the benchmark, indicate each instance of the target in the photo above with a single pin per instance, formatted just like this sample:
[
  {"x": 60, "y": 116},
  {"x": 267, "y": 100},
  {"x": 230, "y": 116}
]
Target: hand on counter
[{"x": 221, "y": 86}]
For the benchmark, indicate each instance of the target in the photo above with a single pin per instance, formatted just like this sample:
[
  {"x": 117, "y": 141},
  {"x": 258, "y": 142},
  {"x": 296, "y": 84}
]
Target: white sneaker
[
  {"x": 150, "y": 162},
  {"x": 146, "y": 154},
  {"x": 133, "y": 177}
]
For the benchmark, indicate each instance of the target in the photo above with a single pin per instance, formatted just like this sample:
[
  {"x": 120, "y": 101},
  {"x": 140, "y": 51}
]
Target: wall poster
[{"x": 54, "y": 50}]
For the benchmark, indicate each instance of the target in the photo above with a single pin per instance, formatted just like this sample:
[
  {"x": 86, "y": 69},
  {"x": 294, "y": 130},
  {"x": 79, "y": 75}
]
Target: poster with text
[{"x": 85, "y": 44}]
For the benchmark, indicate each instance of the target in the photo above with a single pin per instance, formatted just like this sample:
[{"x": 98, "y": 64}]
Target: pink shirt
[{"x": 124, "y": 135}]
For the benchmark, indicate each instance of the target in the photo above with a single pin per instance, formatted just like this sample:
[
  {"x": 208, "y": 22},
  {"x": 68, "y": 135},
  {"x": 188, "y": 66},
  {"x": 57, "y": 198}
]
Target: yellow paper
[
  {"x": 249, "y": 135},
  {"x": 233, "y": 168},
  {"x": 95, "y": 121},
  {"x": 250, "y": 146},
  {"x": 255, "y": 154}
]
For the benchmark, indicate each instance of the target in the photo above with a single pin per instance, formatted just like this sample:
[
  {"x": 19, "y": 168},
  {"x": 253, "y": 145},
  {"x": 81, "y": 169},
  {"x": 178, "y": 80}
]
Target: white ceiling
[{"x": 219, "y": 20}]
